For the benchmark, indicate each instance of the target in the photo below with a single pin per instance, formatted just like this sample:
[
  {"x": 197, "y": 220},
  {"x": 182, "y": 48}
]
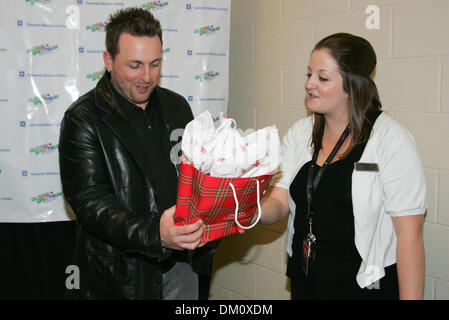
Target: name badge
[{"x": 365, "y": 166}]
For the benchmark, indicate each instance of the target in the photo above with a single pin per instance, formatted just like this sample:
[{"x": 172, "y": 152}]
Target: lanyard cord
[{"x": 311, "y": 186}]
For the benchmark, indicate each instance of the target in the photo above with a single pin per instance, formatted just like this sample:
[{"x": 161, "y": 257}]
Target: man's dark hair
[{"x": 135, "y": 21}]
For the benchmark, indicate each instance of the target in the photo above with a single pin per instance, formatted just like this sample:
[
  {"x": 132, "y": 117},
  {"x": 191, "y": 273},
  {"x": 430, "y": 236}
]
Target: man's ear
[{"x": 107, "y": 58}]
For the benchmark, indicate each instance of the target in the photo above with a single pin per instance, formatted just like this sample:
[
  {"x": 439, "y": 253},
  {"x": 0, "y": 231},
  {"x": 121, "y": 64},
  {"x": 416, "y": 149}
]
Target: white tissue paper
[{"x": 220, "y": 150}]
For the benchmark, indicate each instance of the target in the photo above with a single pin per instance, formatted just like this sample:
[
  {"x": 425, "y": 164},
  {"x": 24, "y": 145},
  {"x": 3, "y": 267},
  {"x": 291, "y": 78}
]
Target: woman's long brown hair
[{"x": 356, "y": 61}]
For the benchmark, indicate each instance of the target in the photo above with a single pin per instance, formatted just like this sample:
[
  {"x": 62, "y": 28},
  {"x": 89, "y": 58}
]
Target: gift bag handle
[{"x": 259, "y": 210}]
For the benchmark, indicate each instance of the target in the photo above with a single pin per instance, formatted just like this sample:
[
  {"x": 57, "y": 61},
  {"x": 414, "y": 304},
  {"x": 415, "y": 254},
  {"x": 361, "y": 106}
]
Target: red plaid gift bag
[{"x": 226, "y": 205}]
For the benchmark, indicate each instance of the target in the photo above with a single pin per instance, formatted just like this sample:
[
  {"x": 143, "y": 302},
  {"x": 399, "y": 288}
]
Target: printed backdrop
[{"x": 51, "y": 52}]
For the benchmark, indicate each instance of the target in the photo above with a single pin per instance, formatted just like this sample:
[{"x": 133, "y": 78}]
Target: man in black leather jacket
[{"x": 117, "y": 175}]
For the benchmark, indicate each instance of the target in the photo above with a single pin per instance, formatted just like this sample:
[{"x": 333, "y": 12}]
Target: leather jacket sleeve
[{"x": 92, "y": 196}]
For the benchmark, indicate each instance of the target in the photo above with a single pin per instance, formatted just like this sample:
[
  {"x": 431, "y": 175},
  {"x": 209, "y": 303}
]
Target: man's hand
[{"x": 179, "y": 237}]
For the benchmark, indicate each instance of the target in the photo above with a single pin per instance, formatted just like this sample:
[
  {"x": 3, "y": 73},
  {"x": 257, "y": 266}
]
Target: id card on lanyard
[{"x": 310, "y": 241}]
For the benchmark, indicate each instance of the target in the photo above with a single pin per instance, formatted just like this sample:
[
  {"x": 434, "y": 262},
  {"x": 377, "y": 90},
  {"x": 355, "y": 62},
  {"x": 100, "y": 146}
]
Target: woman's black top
[{"x": 337, "y": 261}]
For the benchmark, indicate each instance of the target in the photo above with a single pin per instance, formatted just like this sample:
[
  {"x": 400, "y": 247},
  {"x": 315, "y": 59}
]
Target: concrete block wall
[{"x": 270, "y": 45}]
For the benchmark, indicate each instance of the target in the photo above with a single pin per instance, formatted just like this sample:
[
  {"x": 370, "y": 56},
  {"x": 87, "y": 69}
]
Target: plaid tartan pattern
[{"x": 201, "y": 196}]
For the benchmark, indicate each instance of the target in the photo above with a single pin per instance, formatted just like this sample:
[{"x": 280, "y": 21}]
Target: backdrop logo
[
  {"x": 42, "y": 49},
  {"x": 207, "y": 30},
  {"x": 99, "y": 26},
  {"x": 44, "y": 148},
  {"x": 45, "y": 98},
  {"x": 155, "y": 5},
  {"x": 94, "y": 76},
  {"x": 207, "y": 76},
  {"x": 32, "y": 2},
  {"x": 46, "y": 197}
]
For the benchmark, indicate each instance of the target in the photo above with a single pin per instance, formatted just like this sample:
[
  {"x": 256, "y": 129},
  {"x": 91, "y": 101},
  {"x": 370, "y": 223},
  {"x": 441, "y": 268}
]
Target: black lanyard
[{"x": 312, "y": 185}]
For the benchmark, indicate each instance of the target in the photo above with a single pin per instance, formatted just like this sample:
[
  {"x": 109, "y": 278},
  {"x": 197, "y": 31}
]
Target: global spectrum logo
[
  {"x": 94, "y": 76},
  {"x": 207, "y": 30},
  {"x": 207, "y": 76},
  {"x": 99, "y": 26},
  {"x": 45, "y": 98},
  {"x": 44, "y": 148},
  {"x": 42, "y": 49},
  {"x": 32, "y": 2},
  {"x": 46, "y": 197},
  {"x": 155, "y": 5}
]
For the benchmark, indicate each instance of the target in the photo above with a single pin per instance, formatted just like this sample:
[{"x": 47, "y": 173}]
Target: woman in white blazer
[{"x": 353, "y": 183}]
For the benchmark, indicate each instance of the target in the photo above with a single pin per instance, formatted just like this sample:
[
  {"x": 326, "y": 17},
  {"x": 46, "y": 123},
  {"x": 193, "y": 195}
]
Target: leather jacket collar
[
  {"x": 114, "y": 118},
  {"x": 105, "y": 100}
]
